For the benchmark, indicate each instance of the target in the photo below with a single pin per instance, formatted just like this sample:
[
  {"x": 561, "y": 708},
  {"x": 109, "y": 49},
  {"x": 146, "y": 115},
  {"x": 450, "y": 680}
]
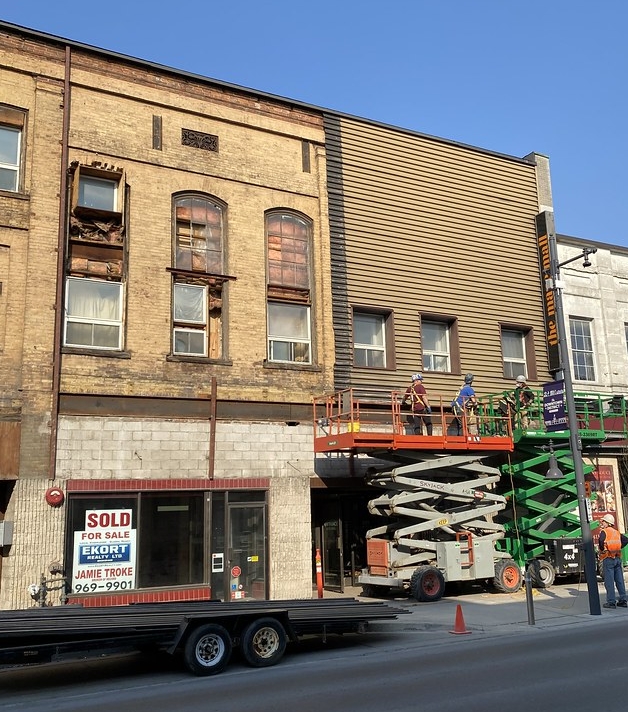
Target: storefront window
[{"x": 171, "y": 535}]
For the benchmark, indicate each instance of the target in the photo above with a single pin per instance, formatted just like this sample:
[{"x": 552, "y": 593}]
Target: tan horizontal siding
[{"x": 424, "y": 226}]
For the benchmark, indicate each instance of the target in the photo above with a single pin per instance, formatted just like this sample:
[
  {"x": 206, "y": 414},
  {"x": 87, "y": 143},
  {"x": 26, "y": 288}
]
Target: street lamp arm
[{"x": 584, "y": 255}]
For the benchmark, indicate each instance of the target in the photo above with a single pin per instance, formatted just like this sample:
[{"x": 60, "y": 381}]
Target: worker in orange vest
[{"x": 610, "y": 544}]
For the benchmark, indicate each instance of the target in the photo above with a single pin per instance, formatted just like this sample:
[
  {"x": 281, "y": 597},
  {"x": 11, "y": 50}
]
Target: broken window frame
[
  {"x": 195, "y": 257},
  {"x": 106, "y": 175}
]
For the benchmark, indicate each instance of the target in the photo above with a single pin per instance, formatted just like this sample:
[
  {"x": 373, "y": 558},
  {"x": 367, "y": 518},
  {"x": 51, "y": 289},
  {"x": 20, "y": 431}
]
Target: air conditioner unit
[{"x": 6, "y": 533}]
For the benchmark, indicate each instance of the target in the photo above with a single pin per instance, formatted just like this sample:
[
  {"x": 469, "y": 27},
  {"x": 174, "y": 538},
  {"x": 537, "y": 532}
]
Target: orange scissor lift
[{"x": 439, "y": 502}]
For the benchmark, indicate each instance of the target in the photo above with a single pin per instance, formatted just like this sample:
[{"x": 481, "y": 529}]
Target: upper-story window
[
  {"x": 10, "y": 146},
  {"x": 288, "y": 239},
  {"x": 93, "y": 314},
  {"x": 370, "y": 338},
  {"x": 199, "y": 234},
  {"x": 96, "y": 259},
  {"x": 514, "y": 354},
  {"x": 435, "y": 340},
  {"x": 98, "y": 193},
  {"x": 582, "y": 354},
  {"x": 12, "y": 123},
  {"x": 198, "y": 279}
]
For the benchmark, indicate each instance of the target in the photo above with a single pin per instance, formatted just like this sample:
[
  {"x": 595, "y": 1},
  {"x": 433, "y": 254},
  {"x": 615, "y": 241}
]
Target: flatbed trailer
[{"x": 204, "y": 633}]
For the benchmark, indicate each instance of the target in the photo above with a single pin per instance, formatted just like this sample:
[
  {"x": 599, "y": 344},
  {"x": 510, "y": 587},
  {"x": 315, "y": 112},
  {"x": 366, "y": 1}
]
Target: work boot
[
  {"x": 610, "y": 604},
  {"x": 622, "y": 604}
]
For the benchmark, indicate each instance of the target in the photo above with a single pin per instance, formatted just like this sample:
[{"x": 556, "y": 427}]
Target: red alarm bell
[{"x": 54, "y": 496}]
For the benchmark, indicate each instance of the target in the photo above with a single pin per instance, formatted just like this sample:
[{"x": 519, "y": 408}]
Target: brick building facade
[{"x": 164, "y": 321}]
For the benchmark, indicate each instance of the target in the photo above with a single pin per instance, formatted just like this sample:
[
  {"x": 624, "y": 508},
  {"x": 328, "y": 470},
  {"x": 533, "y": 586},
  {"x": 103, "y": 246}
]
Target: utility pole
[{"x": 575, "y": 442}]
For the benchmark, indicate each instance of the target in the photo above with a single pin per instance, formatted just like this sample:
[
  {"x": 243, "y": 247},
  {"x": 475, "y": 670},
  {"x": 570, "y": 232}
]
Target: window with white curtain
[
  {"x": 514, "y": 353},
  {"x": 190, "y": 319},
  {"x": 93, "y": 314},
  {"x": 435, "y": 346},
  {"x": 10, "y": 147},
  {"x": 289, "y": 338},
  {"x": 369, "y": 340}
]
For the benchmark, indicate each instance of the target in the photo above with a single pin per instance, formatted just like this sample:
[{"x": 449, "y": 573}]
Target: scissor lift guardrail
[{"x": 343, "y": 422}]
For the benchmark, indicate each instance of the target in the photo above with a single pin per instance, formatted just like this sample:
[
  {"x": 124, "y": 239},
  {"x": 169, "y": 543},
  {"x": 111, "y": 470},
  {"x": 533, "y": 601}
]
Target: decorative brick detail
[
  {"x": 169, "y": 484},
  {"x": 197, "y": 139}
]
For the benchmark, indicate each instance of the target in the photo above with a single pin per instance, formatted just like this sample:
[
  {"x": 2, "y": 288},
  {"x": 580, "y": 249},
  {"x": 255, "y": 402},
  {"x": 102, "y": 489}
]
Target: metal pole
[
  {"x": 529, "y": 599},
  {"x": 575, "y": 442}
]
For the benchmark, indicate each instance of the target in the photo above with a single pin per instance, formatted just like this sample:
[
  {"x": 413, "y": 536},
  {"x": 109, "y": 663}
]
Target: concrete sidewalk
[{"x": 494, "y": 613}]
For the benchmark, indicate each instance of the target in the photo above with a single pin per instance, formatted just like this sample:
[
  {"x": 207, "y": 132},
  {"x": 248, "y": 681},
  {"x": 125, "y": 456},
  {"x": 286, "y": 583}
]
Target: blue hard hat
[{"x": 417, "y": 377}]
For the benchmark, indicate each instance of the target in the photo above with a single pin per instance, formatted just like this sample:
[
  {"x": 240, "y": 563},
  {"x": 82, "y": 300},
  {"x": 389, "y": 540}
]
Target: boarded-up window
[
  {"x": 288, "y": 250},
  {"x": 199, "y": 235}
]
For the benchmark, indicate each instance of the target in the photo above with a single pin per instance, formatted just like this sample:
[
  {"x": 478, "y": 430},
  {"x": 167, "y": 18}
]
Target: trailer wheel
[
  {"x": 207, "y": 650},
  {"x": 508, "y": 577},
  {"x": 427, "y": 584},
  {"x": 263, "y": 642},
  {"x": 542, "y": 573}
]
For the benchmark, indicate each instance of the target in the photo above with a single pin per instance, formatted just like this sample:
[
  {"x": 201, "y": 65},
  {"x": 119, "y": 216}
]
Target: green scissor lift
[{"x": 541, "y": 520}]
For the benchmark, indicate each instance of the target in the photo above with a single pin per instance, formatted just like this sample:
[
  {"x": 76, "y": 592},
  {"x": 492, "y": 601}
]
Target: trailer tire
[
  {"x": 508, "y": 577},
  {"x": 427, "y": 584},
  {"x": 542, "y": 573},
  {"x": 207, "y": 650},
  {"x": 263, "y": 642}
]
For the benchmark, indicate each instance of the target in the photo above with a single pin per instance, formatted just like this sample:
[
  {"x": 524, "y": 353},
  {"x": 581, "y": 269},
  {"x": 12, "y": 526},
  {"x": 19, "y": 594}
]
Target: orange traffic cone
[{"x": 459, "y": 626}]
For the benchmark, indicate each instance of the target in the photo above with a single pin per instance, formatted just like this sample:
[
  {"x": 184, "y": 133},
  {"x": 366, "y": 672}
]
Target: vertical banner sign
[
  {"x": 545, "y": 224},
  {"x": 104, "y": 553},
  {"x": 554, "y": 414}
]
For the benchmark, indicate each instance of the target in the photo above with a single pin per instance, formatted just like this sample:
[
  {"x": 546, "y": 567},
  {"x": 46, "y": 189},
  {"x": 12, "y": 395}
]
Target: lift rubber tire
[
  {"x": 427, "y": 584},
  {"x": 371, "y": 590},
  {"x": 508, "y": 577},
  {"x": 263, "y": 642},
  {"x": 207, "y": 650},
  {"x": 542, "y": 573}
]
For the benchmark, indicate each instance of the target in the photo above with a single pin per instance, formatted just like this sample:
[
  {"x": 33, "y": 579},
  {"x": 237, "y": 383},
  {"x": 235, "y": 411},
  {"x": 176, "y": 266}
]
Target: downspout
[
  {"x": 63, "y": 203},
  {"x": 212, "y": 431}
]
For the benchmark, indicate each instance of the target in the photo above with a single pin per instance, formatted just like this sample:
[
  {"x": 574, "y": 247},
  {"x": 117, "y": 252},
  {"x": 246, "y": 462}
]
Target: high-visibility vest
[{"x": 612, "y": 543}]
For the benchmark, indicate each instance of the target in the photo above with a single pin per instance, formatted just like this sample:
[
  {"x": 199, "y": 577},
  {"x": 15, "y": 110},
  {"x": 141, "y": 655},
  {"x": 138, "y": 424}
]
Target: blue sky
[{"x": 510, "y": 76}]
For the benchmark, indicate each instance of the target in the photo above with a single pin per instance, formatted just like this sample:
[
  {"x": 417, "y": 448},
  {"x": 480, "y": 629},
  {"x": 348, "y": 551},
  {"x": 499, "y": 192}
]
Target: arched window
[
  {"x": 288, "y": 239},
  {"x": 198, "y": 279},
  {"x": 199, "y": 234}
]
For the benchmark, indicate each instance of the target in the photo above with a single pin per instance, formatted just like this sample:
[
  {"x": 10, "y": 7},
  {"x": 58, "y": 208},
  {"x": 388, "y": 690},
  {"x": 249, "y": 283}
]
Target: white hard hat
[
  {"x": 521, "y": 379},
  {"x": 609, "y": 519}
]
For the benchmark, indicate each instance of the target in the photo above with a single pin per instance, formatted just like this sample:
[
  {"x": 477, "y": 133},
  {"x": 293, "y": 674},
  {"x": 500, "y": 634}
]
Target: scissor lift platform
[{"x": 343, "y": 422}]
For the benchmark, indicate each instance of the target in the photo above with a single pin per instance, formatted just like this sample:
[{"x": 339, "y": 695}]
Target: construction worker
[
  {"x": 465, "y": 404},
  {"x": 519, "y": 402},
  {"x": 610, "y": 544},
  {"x": 421, "y": 409}
]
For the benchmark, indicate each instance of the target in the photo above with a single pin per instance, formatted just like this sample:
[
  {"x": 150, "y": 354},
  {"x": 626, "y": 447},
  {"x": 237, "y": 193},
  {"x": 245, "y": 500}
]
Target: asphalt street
[{"x": 414, "y": 662}]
